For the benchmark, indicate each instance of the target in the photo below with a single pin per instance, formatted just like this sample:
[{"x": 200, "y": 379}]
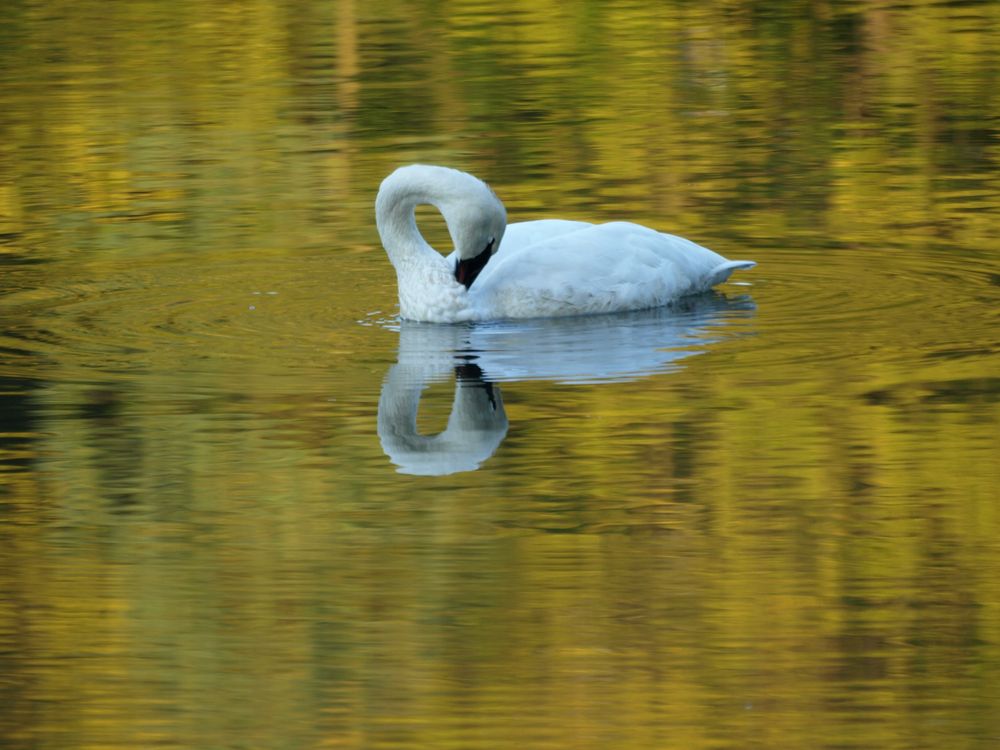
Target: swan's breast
[{"x": 428, "y": 292}]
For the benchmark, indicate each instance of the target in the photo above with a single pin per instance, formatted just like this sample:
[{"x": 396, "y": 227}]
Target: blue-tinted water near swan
[{"x": 576, "y": 350}]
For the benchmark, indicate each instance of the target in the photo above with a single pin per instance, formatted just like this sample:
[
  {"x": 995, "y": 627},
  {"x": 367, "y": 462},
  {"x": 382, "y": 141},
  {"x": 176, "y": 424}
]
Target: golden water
[{"x": 768, "y": 519}]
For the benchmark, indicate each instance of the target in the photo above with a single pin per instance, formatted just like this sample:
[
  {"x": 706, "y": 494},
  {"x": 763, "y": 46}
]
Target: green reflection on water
[{"x": 788, "y": 540}]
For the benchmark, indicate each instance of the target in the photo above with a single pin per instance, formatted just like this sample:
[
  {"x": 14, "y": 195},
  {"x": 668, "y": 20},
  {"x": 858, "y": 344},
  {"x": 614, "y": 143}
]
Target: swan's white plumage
[{"x": 546, "y": 268}]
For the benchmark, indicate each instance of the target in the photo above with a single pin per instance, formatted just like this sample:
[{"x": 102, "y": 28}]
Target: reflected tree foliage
[{"x": 791, "y": 544}]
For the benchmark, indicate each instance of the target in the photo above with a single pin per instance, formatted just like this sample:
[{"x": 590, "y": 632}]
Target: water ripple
[
  {"x": 855, "y": 300},
  {"x": 277, "y": 309}
]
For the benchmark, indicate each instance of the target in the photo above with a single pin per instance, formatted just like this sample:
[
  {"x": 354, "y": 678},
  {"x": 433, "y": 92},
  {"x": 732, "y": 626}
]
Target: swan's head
[{"x": 476, "y": 222}]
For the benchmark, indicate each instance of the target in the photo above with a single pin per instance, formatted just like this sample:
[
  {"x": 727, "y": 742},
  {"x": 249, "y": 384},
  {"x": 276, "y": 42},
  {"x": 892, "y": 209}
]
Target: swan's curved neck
[
  {"x": 405, "y": 189},
  {"x": 427, "y": 286},
  {"x": 428, "y": 289},
  {"x": 395, "y": 217}
]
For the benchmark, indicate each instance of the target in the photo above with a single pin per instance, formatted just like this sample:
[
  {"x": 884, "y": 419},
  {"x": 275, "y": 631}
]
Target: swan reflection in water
[{"x": 604, "y": 348}]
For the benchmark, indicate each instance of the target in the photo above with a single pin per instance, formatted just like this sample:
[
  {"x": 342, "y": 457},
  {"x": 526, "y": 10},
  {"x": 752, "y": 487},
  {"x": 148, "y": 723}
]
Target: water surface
[{"x": 243, "y": 505}]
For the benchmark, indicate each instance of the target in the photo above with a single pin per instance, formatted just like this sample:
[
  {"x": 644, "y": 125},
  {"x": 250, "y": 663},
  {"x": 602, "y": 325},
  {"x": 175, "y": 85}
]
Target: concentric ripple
[
  {"x": 820, "y": 307},
  {"x": 287, "y": 312},
  {"x": 804, "y": 306}
]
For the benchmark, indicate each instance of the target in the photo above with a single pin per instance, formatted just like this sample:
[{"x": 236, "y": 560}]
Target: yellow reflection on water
[{"x": 786, "y": 539}]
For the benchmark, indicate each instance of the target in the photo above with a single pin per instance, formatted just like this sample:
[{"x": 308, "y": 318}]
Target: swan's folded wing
[
  {"x": 602, "y": 268},
  {"x": 522, "y": 235},
  {"x": 542, "y": 232}
]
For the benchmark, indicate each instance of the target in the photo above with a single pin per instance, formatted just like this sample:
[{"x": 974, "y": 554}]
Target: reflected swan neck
[{"x": 476, "y": 426}]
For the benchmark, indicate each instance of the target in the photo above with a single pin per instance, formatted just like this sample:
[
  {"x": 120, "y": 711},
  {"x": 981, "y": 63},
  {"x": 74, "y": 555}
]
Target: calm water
[{"x": 243, "y": 506}]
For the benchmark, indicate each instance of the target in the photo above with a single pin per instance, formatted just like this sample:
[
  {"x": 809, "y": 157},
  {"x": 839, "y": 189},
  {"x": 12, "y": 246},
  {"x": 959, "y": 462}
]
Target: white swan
[{"x": 546, "y": 268}]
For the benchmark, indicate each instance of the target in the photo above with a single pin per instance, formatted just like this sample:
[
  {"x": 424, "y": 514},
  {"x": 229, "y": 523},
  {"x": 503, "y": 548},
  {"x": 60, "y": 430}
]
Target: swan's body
[{"x": 531, "y": 269}]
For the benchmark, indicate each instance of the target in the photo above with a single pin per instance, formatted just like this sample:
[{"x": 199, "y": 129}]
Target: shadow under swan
[{"x": 602, "y": 348}]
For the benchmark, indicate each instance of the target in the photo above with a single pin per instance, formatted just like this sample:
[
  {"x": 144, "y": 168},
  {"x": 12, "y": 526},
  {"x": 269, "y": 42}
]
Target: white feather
[{"x": 547, "y": 268}]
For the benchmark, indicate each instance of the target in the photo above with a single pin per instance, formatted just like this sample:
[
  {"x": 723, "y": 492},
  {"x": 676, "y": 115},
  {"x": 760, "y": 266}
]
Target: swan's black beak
[{"x": 467, "y": 270}]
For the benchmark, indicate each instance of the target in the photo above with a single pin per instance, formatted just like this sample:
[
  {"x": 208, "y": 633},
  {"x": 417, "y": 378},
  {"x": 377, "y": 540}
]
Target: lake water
[{"x": 766, "y": 518}]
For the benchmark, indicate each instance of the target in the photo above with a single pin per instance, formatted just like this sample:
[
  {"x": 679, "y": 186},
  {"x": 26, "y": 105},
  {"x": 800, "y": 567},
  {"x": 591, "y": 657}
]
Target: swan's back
[{"x": 551, "y": 268}]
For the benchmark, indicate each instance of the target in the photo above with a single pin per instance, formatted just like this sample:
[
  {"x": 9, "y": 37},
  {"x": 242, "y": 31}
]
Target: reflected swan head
[{"x": 476, "y": 426}]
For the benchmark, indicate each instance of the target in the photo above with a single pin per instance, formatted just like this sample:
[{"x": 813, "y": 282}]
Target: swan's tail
[{"x": 722, "y": 271}]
